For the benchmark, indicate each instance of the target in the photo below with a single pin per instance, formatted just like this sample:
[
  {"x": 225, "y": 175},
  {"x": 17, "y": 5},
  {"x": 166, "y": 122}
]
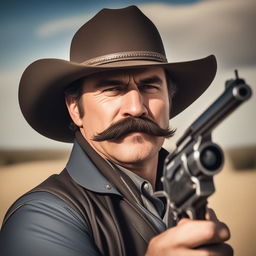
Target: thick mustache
[{"x": 133, "y": 124}]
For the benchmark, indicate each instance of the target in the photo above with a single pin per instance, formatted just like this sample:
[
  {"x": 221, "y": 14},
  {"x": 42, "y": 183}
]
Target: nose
[{"x": 133, "y": 104}]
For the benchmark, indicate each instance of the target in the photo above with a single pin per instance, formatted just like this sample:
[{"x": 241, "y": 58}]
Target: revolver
[{"x": 189, "y": 170}]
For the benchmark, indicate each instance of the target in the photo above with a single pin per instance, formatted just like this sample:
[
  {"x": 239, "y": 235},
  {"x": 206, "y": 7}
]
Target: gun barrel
[
  {"x": 234, "y": 95},
  {"x": 207, "y": 160}
]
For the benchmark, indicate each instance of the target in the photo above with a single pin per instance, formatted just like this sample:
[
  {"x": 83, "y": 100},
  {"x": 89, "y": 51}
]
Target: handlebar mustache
[{"x": 133, "y": 124}]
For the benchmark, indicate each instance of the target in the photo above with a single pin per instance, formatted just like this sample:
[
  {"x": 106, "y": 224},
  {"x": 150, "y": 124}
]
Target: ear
[{"x": 72, "y": 106}]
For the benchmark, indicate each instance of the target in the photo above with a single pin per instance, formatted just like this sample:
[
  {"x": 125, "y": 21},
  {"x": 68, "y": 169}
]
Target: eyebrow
[
  {"x": 151, "y": 80},
  {"x": 113, "y": 82},
  {"x": 109, "y": 82}
]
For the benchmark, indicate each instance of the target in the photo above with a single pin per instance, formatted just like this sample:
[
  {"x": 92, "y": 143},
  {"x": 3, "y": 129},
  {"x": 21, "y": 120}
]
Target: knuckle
[
  {"x": 155, "y": 244},
  {"x": 210, "y": 231},
  {"x": 161, "y": 244},
  {"x": 217, "y": 231},
  {"x": 183, "y": 221},
  {"x": 225, "y": 232}
]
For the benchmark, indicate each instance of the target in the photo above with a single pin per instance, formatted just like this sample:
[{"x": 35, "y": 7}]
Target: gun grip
[{"x": 199, "y": 211}]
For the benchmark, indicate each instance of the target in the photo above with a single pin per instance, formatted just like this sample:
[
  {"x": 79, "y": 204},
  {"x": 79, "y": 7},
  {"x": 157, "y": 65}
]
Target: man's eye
[
  {"x": 112, "y": 91},
  {"x": 149, "y": 87}
]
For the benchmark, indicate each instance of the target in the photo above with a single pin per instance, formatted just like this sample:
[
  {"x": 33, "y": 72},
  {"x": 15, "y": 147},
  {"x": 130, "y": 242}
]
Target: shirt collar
[
  {"x": 85, "y": 173},
  {"x": 138, "y": 181},
  {"x": 146, "y": 190}
]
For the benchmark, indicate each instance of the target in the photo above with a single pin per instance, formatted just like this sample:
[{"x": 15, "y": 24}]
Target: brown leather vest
[{"x": 117, "y": 223}]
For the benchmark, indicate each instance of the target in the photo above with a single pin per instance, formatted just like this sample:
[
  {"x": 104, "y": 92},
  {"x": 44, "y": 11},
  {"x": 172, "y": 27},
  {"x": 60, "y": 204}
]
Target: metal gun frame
[{"x": 188, "y": 171}]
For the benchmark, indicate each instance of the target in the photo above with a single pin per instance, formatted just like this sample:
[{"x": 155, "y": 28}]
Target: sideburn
[{"x": 80, "y": 107}]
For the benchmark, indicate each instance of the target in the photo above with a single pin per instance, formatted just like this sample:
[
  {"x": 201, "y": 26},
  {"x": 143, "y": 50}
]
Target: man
[{"x": 113, "y": 100}]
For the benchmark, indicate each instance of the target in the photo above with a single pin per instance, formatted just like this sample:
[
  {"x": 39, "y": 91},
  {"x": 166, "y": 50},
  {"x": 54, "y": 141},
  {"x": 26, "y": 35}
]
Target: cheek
[
  {"x": 167, "y": 106},
  {"x": 160, "y": 109},
  {"x": 99, "y": 114},
  {"x": 90, "y": 120}
]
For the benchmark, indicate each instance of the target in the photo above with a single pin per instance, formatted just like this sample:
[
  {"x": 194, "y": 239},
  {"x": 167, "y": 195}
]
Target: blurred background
[{"x": 190, "y": 29}]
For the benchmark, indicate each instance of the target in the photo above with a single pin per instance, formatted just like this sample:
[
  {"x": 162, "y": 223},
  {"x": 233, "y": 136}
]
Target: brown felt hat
[{"x": 113, "y": 39}]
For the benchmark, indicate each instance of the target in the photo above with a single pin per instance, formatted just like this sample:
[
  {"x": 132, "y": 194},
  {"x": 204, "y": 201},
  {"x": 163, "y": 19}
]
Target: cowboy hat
[{"x": 113, "y": 39}]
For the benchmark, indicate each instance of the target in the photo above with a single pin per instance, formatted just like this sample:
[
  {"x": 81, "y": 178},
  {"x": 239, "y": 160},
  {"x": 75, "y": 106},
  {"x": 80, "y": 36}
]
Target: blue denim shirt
[{"x": 45, "y": 225}]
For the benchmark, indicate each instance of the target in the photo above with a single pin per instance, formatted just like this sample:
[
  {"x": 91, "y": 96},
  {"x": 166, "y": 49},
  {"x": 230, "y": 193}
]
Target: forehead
[{"x": 124, "y": 74}]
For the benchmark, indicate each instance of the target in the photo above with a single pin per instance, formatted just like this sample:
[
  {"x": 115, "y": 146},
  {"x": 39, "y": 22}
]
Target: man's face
[{"x": 113, "y": 96}]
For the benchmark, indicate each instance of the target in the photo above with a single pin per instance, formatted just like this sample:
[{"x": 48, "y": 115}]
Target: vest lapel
[{"x": 118, "y": 179}]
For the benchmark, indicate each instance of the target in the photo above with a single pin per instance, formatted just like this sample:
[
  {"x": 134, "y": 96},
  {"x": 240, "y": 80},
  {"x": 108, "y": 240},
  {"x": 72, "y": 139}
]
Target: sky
[{"x": 190, "y": 29}]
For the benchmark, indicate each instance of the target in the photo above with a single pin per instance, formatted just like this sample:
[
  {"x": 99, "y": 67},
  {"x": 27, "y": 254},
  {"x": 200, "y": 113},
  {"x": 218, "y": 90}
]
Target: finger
[
  {"x": 183, "y": 220},
  {"x": 200, "y": 232},
  {"x": 216, "y": 250},
  {"x": 211, "y": 250},
  {"x": 211, "y": 215}
]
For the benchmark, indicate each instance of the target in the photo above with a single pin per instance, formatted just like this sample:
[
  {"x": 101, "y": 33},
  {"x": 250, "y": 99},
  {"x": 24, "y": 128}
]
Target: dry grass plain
[{"x": 234, "y": 200}]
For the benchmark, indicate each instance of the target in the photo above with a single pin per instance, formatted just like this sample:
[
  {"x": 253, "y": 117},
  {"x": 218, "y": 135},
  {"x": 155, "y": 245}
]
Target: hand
[{"x": 193, "y": 238}]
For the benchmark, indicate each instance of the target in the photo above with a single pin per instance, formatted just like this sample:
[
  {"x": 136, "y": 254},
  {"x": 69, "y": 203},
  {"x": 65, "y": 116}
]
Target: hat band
[{"x": 120, "y": 56}]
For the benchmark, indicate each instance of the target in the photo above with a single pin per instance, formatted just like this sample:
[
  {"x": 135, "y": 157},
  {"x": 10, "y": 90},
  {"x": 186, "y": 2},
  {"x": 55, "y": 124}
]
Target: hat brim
[{"x": 42, "y": 86}]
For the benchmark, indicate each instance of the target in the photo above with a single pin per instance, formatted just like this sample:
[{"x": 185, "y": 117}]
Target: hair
[
  {"x": 171, "y": 85},
  {"x": 75, "y": 90}
]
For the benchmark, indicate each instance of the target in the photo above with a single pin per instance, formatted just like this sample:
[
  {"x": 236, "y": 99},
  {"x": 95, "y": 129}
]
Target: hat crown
[{"x": 115, "y": 31}]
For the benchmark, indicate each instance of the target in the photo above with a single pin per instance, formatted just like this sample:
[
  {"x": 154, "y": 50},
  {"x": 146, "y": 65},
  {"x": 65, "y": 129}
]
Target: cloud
[
  {"x": 224, "y": 28},
  {"x": 58, "y": 26},
  {"x": 220, "y": 27}
]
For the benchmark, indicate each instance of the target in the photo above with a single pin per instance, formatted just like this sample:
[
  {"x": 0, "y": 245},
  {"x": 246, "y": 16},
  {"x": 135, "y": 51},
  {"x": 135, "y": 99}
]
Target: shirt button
[
  {"x": 107, "y": 187},
  {"x": 146, "y": 186}
]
